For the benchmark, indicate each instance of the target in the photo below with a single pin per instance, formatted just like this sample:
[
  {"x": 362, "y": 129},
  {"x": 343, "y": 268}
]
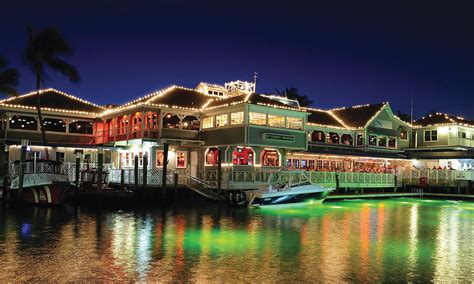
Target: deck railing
[{"x": 242, "y": 179}]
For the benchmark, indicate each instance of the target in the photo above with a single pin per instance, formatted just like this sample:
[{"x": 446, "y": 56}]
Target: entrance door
[{"x": 194, "y": 163}]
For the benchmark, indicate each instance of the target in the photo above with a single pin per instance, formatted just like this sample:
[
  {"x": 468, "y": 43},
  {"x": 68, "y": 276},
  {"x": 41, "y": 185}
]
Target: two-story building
[
  {"x": 249, "y": 130},
  {"x": 358, "y": 138},
  {"x": 442, "y": 141}
]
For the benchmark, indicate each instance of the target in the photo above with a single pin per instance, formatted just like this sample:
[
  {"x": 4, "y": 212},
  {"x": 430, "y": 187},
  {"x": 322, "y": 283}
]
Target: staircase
[{"x": 203, "y": 188}]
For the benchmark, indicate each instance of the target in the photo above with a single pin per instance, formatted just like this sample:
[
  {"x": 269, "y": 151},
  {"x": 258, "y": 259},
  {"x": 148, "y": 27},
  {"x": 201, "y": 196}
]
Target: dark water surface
[{"x": 388, "y": 240}]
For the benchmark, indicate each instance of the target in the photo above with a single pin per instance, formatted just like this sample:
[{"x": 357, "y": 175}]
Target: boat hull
[
  {"x": 47, "y": 194},
  {"x": 289, "y": 199}
]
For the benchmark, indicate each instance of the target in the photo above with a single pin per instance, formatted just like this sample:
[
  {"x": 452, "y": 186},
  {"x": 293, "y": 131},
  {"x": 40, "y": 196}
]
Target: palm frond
[
  {"x": 9, "y": 76},
  {"x": 65, "y": 68},
  {"x": 9, "y": 91}
]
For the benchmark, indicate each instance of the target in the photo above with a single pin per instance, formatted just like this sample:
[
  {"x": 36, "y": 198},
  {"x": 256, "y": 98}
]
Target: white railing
[
  {"x": 434, "y": 177},
  {"x": 154, "y": 177},
  {"x": 346, "y": 179}
]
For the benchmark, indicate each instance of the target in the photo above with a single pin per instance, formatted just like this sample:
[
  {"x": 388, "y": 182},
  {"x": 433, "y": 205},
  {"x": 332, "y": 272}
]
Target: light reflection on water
[{"x": 390, "y": 240}]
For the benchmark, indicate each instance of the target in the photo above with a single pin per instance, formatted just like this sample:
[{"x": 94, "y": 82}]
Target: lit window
[
  {"x": 242, "y": 156},
  {"x": 180, "y": 159},
  {"x": 295, "y": 123},
  {"x": 257, "y": 118},
  {"x": 212, "y": 156},
  {"x": 237, "y": 118},
  {"x": 360, "y": 140},
  {"x": 221, "y": 120},
  {"x": 403, "y": 135},
  {"x": 270, "y": 158},
  {"x": 159, "y": 158},
  {"x": 276, "y": 121},
  {"x": 208, "y": 122}
]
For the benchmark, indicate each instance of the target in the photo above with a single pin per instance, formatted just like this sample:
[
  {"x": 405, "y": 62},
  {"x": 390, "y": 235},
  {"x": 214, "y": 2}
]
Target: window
[
  {"x": 295, "y": 123},
  {"x": 60, "y": 157},
  {"x": 276, "y": 121},
  {"x": 360, "y": 140},
  {"x": 372, "y": 140},
  {"x": 190, "y": 123},
  {"x": 123, "y": 125},
  {"x": 462, "y": 134},
  {"x": 221, "y": 120},
  {"x": 54, "y": 125},
  {"x": 346, "y": 139},
  {"x": 23, "y": 122},
  {"x": 212, "y": 156},
  {"x": 392, "y": 142},
  {"x": 382, "y": 141},
  {"x": 270, "y": 158},
  {"x": 31, "y": 155},
  {"x": 171, "y": 121},
  {"x": 208, "y": 122},
  {"x": 332, "y": 138},
  {"x": 242, "y": 156},
  {"x": 151, "y": 121},
  {"x": 180, "y": 159},
  {"x": 257, "y": 118},
  {"x": 141, "y": 157},
  {"x": 81, "y": 127},
  {"x": 160, "y": 156},
  {"x": 318, "y": 136},
  {"x": 237, "y": 118},
  {"x": 431, "y": 135},
  {"x": 403, "y": 135}
]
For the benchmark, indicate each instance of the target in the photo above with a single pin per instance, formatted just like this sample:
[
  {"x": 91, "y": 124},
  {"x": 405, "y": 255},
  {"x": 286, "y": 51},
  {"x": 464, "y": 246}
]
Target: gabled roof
[
  {"x": 253, "y": 98},
  {"x": 358, "y": 116},
  {"x": 323, "y": 118},
  {"x": 442, "y": 119},
  {"x": 53, "y": 100},
  {"x": 171, "y": 97}
]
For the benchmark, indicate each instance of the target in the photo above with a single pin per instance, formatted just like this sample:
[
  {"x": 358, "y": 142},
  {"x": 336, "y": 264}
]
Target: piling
[
  {"x": 21, "y": 174},
  {"x": 165, "y": 164},
  {"x": 136, "y": 173},
  {"x": 100, "y": 168}
]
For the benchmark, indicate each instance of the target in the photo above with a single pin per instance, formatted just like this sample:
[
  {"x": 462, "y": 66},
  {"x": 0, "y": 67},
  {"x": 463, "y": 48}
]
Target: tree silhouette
[
  {"x": 8, "y": 78},
  {"x": 292, "y": 93},
  {"x": 45, "y": 49}
]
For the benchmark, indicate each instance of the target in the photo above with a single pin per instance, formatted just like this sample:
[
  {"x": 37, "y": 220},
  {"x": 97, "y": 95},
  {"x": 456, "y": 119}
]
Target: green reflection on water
[{"x": 357, "y": 240}]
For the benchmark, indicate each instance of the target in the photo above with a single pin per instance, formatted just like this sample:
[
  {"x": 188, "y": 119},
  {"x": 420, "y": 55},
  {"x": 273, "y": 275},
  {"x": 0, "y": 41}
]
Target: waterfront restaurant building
[{"x": 252, "y": 131}]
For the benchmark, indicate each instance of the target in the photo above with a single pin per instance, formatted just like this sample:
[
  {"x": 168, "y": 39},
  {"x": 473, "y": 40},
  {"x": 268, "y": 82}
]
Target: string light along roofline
[
  {"x": 51, "y": 109},
  {"x": 41, "y": 91}
]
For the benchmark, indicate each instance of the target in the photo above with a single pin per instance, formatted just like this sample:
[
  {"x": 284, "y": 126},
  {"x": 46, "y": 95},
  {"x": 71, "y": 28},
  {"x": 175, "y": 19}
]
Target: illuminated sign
[{"x": 280, "y": 137}]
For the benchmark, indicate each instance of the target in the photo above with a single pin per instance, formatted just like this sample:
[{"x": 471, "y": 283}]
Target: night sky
[{"x": 339, "y": 53}]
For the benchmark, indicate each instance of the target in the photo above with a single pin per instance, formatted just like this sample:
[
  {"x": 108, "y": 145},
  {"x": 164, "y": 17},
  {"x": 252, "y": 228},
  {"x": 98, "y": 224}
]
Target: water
[{"x": 389, "y": 240}]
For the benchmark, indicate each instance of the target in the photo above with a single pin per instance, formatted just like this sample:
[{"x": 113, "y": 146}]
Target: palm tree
[
  {"x": 45, "y": 49},
  {"x": 8, "y": 78},
  {"x": 292, "y": 93}
]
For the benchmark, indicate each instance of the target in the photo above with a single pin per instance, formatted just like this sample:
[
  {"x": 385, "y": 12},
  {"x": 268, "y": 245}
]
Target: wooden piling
[{"x": 165, "y": 164}]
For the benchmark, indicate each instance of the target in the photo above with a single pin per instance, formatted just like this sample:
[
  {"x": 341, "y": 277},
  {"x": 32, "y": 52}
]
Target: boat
[
  {"x": 44, "y": 182},
  {"x": 293, "y": 188}
]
